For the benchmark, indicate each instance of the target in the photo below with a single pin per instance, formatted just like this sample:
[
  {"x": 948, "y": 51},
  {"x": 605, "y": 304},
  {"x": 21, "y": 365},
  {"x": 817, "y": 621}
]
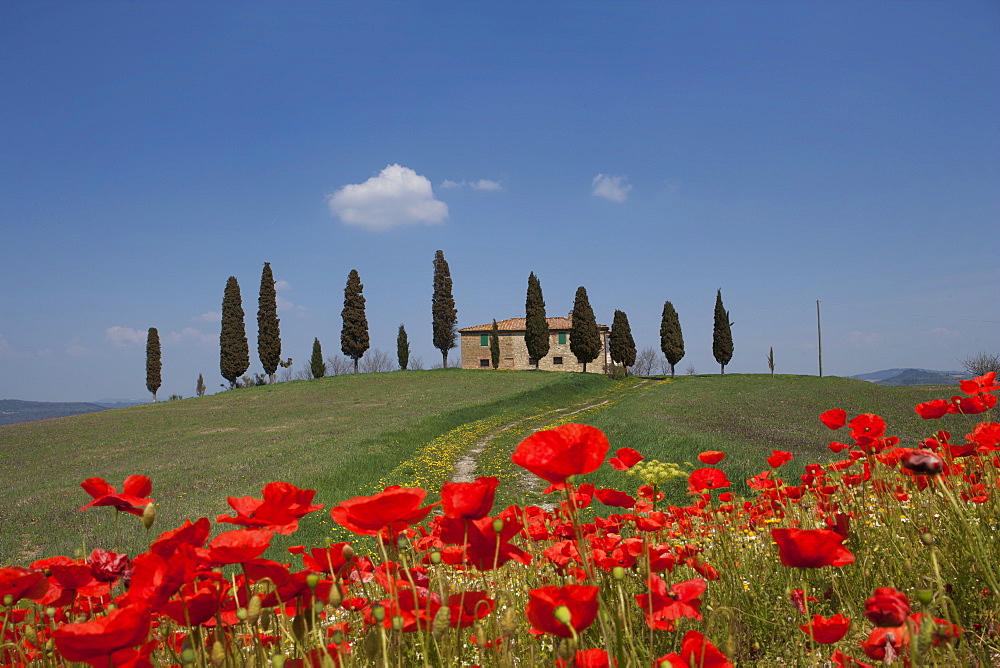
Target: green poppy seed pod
[
  {"x": 8, "y": 600},
  {"x": 480, "y": 635},
  {"x": 241, "y": 614},
  {"x": 278, "y": 660},
  {"x": 401, "y": 543},
  {"x": 338, "y": 636},
  {"x": 31, "y": 634},
  {"x": 435, "y": 557},
  {"x": 312, "y": 580},
  {"x": 187, "y": 655},
  {"x": 618, "y": 573},
  {"x": 925, "y": 596},
  {"x": 397, "y": 622},
  {"x": 335, "y": 598},
  {"x": 50, "y": 612},
  {"x": 442, "y": 620},
  {"x": 378, "y": 613},
  {"x": 571, "y": 480},
  {"x": 563, "y": 615},
  {"x": 218, "y": 653},
  {"x": 148, "y": 515},
  {"x": 253, "y": 609},
  {"x": 497, "y": 525},
  {"x": 927, "y": 538}
]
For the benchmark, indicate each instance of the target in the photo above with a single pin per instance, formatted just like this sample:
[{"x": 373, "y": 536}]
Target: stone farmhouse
[{"x": 514, "y": 353}]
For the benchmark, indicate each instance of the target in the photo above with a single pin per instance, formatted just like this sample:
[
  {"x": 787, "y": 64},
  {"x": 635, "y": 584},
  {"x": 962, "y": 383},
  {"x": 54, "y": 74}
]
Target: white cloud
[
  {"x": 191, "y": 334},
  {"x": 481, "y": 184},
  {"x": 865, "y": 340},
  {"x": 211, "y": 316},
  {"x": 123, "y": 336},
  {"x": 397, "y": 196},
  {"x": 943, "y": 332},
  {"x": 282, "y": 285},
  {"x": 614, "y": 188},
  {"x": 5, "y": 348},
  {"x": 284, "y": 306}
]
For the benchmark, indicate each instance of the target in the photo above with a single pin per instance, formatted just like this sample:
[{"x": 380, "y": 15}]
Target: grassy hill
[{"x": 346, "y": 435}]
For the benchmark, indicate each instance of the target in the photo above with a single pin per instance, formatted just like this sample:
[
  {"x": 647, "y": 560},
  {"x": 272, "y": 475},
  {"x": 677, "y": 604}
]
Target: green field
[{"x": 349, "y": 434}]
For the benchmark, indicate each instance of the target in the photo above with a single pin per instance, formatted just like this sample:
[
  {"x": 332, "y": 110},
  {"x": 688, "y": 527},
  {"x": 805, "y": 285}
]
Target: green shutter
[
  {"x": 484, "y": 339},
  {"x": 562, "y": 338}
]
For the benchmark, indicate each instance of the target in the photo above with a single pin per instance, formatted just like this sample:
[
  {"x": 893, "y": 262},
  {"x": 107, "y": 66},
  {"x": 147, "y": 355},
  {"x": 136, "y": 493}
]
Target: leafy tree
[
  {"x": 402, "y": 348},
  {"x": 671, "y": 339},
  {"x": 268, "y": 332},
  {"x": 495, "y": 346},
  {"x": 536, "y": 327},
  {"x": 200, "y": 389},
  {"x": 722, "y": 336},
  {"x": 354, "y": 335},
  {"x": 443, "y": 311},
  {"x": 584, "y": 338},
  {"x": 234, "y": 351},
  {"x": 153, "y": 364},
  {"x": 621, "y": 344},
  {"x": 316, "y": 364}
]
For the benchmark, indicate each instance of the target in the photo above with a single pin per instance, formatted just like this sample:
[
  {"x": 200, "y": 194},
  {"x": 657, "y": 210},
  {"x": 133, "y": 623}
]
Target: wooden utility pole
[{"x": 819, "y": 338}]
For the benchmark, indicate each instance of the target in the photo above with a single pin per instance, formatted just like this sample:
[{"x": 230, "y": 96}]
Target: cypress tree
[
  {"x": 443, "y": 311},
  {"x": 354, "y": 335},
  {"x": 402, "y": 349},
  {"x": 234, "y": 357},
  {"x": 200, "y": 388},
  {"x": 268, "y": 332},
  {"x": 316, "y": 363},
  {"x": 622, "y": 345},
  {"x": 722, "y": 335},
  {"x": 536, "y": 327},
  {"x": 153, "y": 365},
  {"x": 495, "y": 345},
  {"x": 584, "y": 339},
  {"x": 671, "y": 339}
]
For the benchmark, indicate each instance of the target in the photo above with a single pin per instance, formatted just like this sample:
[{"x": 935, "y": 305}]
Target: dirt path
[{"x": 465, "y": 468}]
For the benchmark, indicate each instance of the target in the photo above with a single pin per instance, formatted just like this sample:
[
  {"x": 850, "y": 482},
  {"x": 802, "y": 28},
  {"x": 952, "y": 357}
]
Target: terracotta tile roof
[{"x": 517, "y": 325}]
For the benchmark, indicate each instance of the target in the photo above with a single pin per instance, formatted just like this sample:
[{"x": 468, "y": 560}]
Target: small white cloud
[
  {"x": 397, "y": 196},
  {"x": 869, "y": 340},
  {"x": 123, "y": 336},
  {"x": 191, "y": 334},
  {"x": 282, "y": 285},
  {"x": 944, "y": 332},
  {"x": 74, "y": 349},
  {"x": 613, "y": 188},
  {"x": 481, "y": 184},
  {"x": 211, "y": 316},
  {"x": 285, "y": 306}
]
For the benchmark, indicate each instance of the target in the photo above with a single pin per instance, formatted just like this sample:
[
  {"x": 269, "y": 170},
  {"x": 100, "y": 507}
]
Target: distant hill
[
  {"x": 13, "y": 411},
  {"x": 895, "y": 377}
]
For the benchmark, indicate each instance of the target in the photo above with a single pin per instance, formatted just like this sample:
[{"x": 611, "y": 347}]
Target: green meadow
[{"x": 353, "y": 434}]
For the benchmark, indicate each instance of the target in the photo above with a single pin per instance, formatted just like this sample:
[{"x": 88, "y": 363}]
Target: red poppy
[
  {"x": 587, "y": 658},
  {"x": 932, "y": 410},
  {"x": 280, "y": 509},
  {"x": 322, "y": 559},
  {"x": 130, "y": 500},
  {"x": 19, "y": 583},
  {"x": 625, "y": 459},
  {"x": 885, "y": 643},
  {"x": 811, "y": 548},
  {"x": 468, "y": 500},
  {"x": 556, "y": 454},
  {"x": 973, "y": 405},
  {"x": 93, "y": 641},
  {"x": 835, "y": 418},
  {"x": 197, "y": 603},
  {"x": 696, "y": 652},
  {"x": 661, "y": 607},
  {"x": 779, "y": 458},
  {"x": 981, "y": 384},
  {"x": 867, "y": 426},
  {"x": 387, "y": 513},
  {"x": 706, "y": 478},
  {"x": 922, "y": 462},
  {"x": 986, "y": 436},
  {"x": 711, "y": 457},
  {"x": 612, "y": 497},
  {"x": 233, "y": 547},
  {"x": 468, "y": 607},
  {"x": 107, "y": 566},
  {"x": 484, "y": 546},
  {"x": 562, "y": 610},
  {"x": 887, "y": 607},
  {"x": 827, "y": 630}
]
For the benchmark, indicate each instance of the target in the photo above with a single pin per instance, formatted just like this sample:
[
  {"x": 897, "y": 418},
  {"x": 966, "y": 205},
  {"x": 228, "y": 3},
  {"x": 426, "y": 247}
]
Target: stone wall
[{"x": 514, "y": 353}]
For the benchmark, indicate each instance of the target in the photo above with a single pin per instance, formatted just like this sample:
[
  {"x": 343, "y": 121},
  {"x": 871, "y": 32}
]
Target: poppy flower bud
[
  {"x": 371, "y": 646},
  {"x": 927, "y": 538},
  {"x": 922, "y": 462},
  {"x": 562, "y": 615},
  {"x": 148, "y": 515},
  {"x": 925, "y": 596},
  {"x": 887, "y": 607},
  {"x": 348, "y": 552},
  {"x": 442, "y": 620},
  {"x": 312, "y": 580},
  {"x": 253, "y": 609},
  {"x": 508, "y": 622},
  {"x": 378, "y": 612},
  {"x": 335, "y": 596},
  {"x": 241, "y": 614},
  {"x": 218, "y": 653}
]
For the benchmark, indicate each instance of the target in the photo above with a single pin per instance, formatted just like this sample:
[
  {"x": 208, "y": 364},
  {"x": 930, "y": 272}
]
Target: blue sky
[{"x": 781, "y": 151}]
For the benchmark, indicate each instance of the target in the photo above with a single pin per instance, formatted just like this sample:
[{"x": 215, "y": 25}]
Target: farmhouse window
[
  {"x": 532, "y": 361},
  {"x": 557, "y": 360},
  {"x": 562, "y": 338},
  {"x": 484, "y": 339},
  {"x": 484, "y": 363}
]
